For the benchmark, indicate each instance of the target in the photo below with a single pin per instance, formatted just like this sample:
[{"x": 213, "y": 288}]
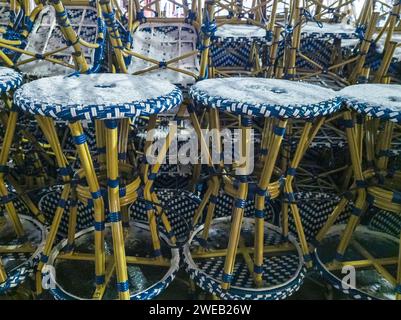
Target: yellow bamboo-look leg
[
  {"x": 90, "y": 174},
  {"x": 239, "y": 204},
  {"x": 262, "y": 193},
  {"x": 52, "y": 235},
  {"x": 72, "y": 221},
  {"x": 360, "y": 202},
  {"x": 148, "y": 190},
  {"x": 4, "y": 154},
  {"x": 114, "y": 208},
  {"x": 48, "y": 128},
  {"x": 3, "y": 274},
  {"x": 308, "y": 134}
]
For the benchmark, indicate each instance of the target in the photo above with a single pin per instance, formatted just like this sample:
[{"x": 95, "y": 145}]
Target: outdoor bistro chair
[
  {"x": 107, "y": 187},
  {"x": 21, "y": 236},
  {"x": 213, "y": 257},
  {"x": 373, "y": 112}
]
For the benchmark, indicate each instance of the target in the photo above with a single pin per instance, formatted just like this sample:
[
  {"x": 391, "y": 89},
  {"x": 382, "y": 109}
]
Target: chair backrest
[
  {"x": 4, "y": 14},
  {"x": 163, "y": 42},
  {"x": 46, "y": 36}
]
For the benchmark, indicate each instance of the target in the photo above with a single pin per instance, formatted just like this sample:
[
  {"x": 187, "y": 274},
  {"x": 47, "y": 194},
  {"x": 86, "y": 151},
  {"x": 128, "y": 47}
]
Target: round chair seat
[
  {"x": 9, "y": 79},
  {"x": 329, "y": 31},
  {"x": 266, "y": 97},
  {"x": 20, "y": 265},
  {"x": 241, "y": 33},
  {"x": 369, "y": 283},
  {"x": 283, "y": 272},
  {"x": 97, "y": 96},
  {"x": 375, "y": 100}
]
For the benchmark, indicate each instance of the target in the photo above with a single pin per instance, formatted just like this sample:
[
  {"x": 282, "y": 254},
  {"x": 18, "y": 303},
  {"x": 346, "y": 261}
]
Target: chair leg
[
  {"x": 114, "y": 208},
  {"x": 52, "y": 235},
  {"x": 149, "y": 195},
  {"x": 72, "y": 221},
  {"x": 239, "y": 203},
  {"x": 4, "y": 154},
  {"x": 3, "y": 274},
  {"x": 262, "y": 192},
  {"x": 360, "y": 203},
  {"x": 87, "y": 164},
  {"x": 235, "y": 230},
  {"x": 48, "y": 129}
]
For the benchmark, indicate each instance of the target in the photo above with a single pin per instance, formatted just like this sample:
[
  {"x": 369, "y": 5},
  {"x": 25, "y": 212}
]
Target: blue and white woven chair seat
[
  {"x": 369, "y": 284},
  {"x": 126, "y": 95},
  {"x": 163, "y": 42},
  {"x": 240, "y": 33},
  {"x": 266, "y": 97},
  {"x": 283, "y": 273},
  {"x": 46, "y": 36},
  {"x": 315, "y": 207},
  {"x": 231, "y": 44},
  {"x": 381, "y": 101},
  {"x": 329, "y": 31},
  {"x": 145, "y": 283},
  {"x": 21, "y": 265},
  {"x": 9, "y": 80}
]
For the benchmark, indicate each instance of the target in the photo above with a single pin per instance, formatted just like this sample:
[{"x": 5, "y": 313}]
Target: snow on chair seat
[{"x": 164, "y": 42}]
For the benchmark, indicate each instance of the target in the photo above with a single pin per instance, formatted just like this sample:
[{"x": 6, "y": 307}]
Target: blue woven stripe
[
  {"x": 152, "y": 176},
  {"x": 100, "y": 279},
  {"x": 44, "y": 258},
  {"x": 262, "y": 192},
  {"x": 110, "y": 124},
  {"x": 122, "y": 192},
  {"x": 62, "y": 203},
  {"x": 278, "y": 131},
  {"x": 66, "y": 171},
  {"x": 257, "y": 269},
  {"x": 157, "y": 253},
  {"x": 291, "y": 171},
  {"x": 227, "y": 278},
  {"x": 240, "y": 203},
  {"x": 396, "y": 197},
  {"x": 360, "y": 183},
  {"x": 122, "y": 286},
  {"x": 112, "y": 183},
  {"x": 114, "y": 216},
  {"x": 290, "y": 197},
  {"x": 81, "y": 139},
  {"x": 99, "y": 226},
  {"x": 96, "y": 195},
  {"x": 260, "y": 214},
  {"x": 213, "y": 199}
]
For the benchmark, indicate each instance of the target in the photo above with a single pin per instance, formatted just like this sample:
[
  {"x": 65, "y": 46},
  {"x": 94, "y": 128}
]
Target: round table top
[
  {"x": 376, "y": 100},
  {"x": 9, "y": 79},
  {"x": 266, "y": 97},
  {"x": 97, "y": 96}
]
